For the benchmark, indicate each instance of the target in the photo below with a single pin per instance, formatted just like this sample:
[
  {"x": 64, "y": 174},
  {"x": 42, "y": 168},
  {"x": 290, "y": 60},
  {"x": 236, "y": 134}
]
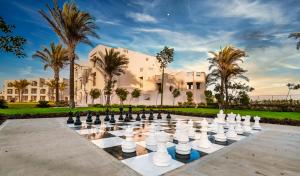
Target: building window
[
  {"x": 147, "y": 59},
  {"x": 189, "y": 85},
  {"x": 16, "y": 91},
  {"x": 33, "y": 83},
  {"x": 9, "y": 98},
  {"x": 25, "y": 91},
  {"x": 146, "y": 97},
  {"x": 10, "y": 84},
  {"x": 43, "y": 98},
  {"x": 33, "y": 98},
  {"x": 25, "y": 98},
  {"x": 198, "y": 85},
  {"x": 42, "y": 91},
  {"x": 33, "y": 91},
  {"x": 189, "y": 74},
  {"x": 198, "y": 73},
  {"x": 94, "y": 79},
  {"x": 9, "y": 91},
  {"x": 158, "y": 87},
  {"x": 141, "y": 82}
]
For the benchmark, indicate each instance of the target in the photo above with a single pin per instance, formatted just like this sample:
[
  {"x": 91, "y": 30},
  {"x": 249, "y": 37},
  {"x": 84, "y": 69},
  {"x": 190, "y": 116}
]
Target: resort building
[
  {"x": 142, "y": 72},
  {"x": 37, "y": 90}
]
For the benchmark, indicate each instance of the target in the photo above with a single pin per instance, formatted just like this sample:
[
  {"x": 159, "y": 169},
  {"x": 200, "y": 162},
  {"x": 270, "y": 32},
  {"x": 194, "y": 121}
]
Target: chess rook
[
  {"x": 256, "y": 125},
  {"x": 128, "y": 145}
]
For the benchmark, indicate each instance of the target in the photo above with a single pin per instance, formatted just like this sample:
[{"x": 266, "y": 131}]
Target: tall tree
[
  {"x": 72, "y": 26},
  {"x": 122, "y": 94},
  {"x": 62, "y": 88},
  {"x": 114, "y": 65},
  {"x": 95, "y": 93},
  {"x": 164, "y": 57},
  {"x": 56, "y": 57},
  {"x": 51, "y": 87},
  {"x": 10, "y": 43},
  {"x": 85, "y": 79},
  {"x": 224, "y": 66},
  {"x": 296, "y": 35},
  {"x": 21, "y": 86}
]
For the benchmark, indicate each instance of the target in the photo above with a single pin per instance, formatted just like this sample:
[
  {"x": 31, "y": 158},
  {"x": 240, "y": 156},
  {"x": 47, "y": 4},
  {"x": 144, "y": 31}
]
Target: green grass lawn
[{"x": 29, "y": 109}]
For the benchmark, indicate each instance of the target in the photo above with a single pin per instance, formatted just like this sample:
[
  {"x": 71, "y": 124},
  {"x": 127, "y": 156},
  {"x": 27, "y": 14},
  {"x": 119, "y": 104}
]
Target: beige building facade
[
  {"x": 37, "y": 90},
  {"x": 142, "y": 72}
]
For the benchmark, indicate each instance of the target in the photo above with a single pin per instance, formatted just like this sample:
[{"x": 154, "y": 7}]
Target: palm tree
[
  {"x": 296, "y": 35},
  {"x": 114, "y": 65},
  {"x": 95, "y": 93},
  {"x": 85, "y": 79},
  {"x": 21, "y": 86},
  {"x": 224, "y": 67},
  {"x": 72, "y": 26},
  {"x": 51, "y": 87},
  {"x": 164, "y": 57},
  {"x": 62, "y": 87},
  {"x": 56, "y": 58}
]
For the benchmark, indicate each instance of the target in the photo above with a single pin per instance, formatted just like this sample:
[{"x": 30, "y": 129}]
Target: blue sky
[{"x": 191, "y": 27}]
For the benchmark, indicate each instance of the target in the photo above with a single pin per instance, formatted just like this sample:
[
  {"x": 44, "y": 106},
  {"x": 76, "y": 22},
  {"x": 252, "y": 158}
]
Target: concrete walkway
[{"x": 47, "y": 147}]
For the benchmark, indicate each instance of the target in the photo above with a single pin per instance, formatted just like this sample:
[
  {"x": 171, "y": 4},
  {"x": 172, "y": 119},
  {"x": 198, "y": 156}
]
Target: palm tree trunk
[
  {"x": 19, "y": 95},
  {"x": 71, "y": 80},
  {"x": 226, "y": 93},
  {"x": 56, "y": 78},
  {"x": 162, "y": 87},
  {"x": 222, "y": 94}
]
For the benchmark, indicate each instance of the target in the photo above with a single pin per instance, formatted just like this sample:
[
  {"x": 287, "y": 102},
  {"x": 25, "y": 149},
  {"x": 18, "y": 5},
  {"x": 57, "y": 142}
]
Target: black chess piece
[
  {"x": 97, "y": 120},
  {"x": 159, "y": 115},
  {"x": 106, "y": 119},
  {"x": 151, "y": 117},
  {"x": 168, "y": 115},
  {"x": 130, "y": 115},
  {"x": 121, "y": 109},
  {"x": 77, "y": 121},
  {"x": 143, "y": 115},
  {"x": 126, "y": 118},
  {"x": 112, "y": 118},
  {"x": 89, "y": 118},
  {"x": 138, "y": 118},
  {"x": 121, "y": 116},
  {"x": 70, "y": 119}
]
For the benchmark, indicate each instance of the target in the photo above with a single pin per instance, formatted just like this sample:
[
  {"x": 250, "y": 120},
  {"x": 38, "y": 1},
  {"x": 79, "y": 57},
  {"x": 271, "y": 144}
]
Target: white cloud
[
  {"x": 106, "y": 21},
  {"x": 259, "y": 11},
  {"x": 141, "y": 17}
]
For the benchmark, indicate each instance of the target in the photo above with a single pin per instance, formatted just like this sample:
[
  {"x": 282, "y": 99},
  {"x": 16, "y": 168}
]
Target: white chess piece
[
  {"x": 221, "y": 117},
  {"x": 178, "y": 128},
  {"x": 214, "y": 126},
  {"x": 246, "y": 124},
  {"x": 202, "y": 140},
  {"x": 183, "y": 147},
  {"x": 128, "y": 145},
  {"x": 161, "y": 157},
  {"x": 256, "y": 125},
  {"x": 238, "y": 127},
  {"x": 231, "y": 133},
  {"x": 220, "y": 136},
  {"x": 151, "y": 139},
  {"x": 191, "y": 129}
]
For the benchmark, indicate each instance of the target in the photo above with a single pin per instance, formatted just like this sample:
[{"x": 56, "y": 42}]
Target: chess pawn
[
  {"x": 161, "y": 157},
  {"x": 138, "y": 118},
  {"x": 121, "y": 116},
  {"x": 214, "y": 126},
  {"x": 238, "y": 127},
  {"x": 126, "y": 118},
  {"x": 97, "y": 120},
  {"x": 159, "y": 115},
  {"x": 128, "y": 145},
  {"x": 70, "y": 119},
  {"x": 77, "y": 121},
  {"x": 220, "y": 136},
  {"x": 221, "y": 117},
  {"x": 130, "y": 115},
  {"x": 203, "y": 141},
  {"x": 168, "y": 116},
  {"x": 143, "y": 115},
  {"x": 183, "y": 147},
  {"x": 112, "y": 119},
  {"x": 246, "y": 124},
  {"x": 256, "y": 125},
  {"x": 231, "y": 133},
  {"x": 151, "y": 117},
  {"x": 151, "y": 139},
  {"x": 106, "y": 119},
  {"x": 191, "y": 130},
  {"x": 89, "y": 117}
]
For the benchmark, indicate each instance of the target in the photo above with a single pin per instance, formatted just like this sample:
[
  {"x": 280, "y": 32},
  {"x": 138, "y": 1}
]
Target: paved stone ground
[{"x": 47, "y": 147}]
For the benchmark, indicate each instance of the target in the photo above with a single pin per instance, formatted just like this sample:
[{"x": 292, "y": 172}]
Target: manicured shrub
[
  {"x": 43, "y": 104},
  {"x": 3, "y": 104}
]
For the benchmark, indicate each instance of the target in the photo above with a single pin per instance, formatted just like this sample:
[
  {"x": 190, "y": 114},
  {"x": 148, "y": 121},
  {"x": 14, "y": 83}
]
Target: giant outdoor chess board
[{"x": 110, "y": 137}]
